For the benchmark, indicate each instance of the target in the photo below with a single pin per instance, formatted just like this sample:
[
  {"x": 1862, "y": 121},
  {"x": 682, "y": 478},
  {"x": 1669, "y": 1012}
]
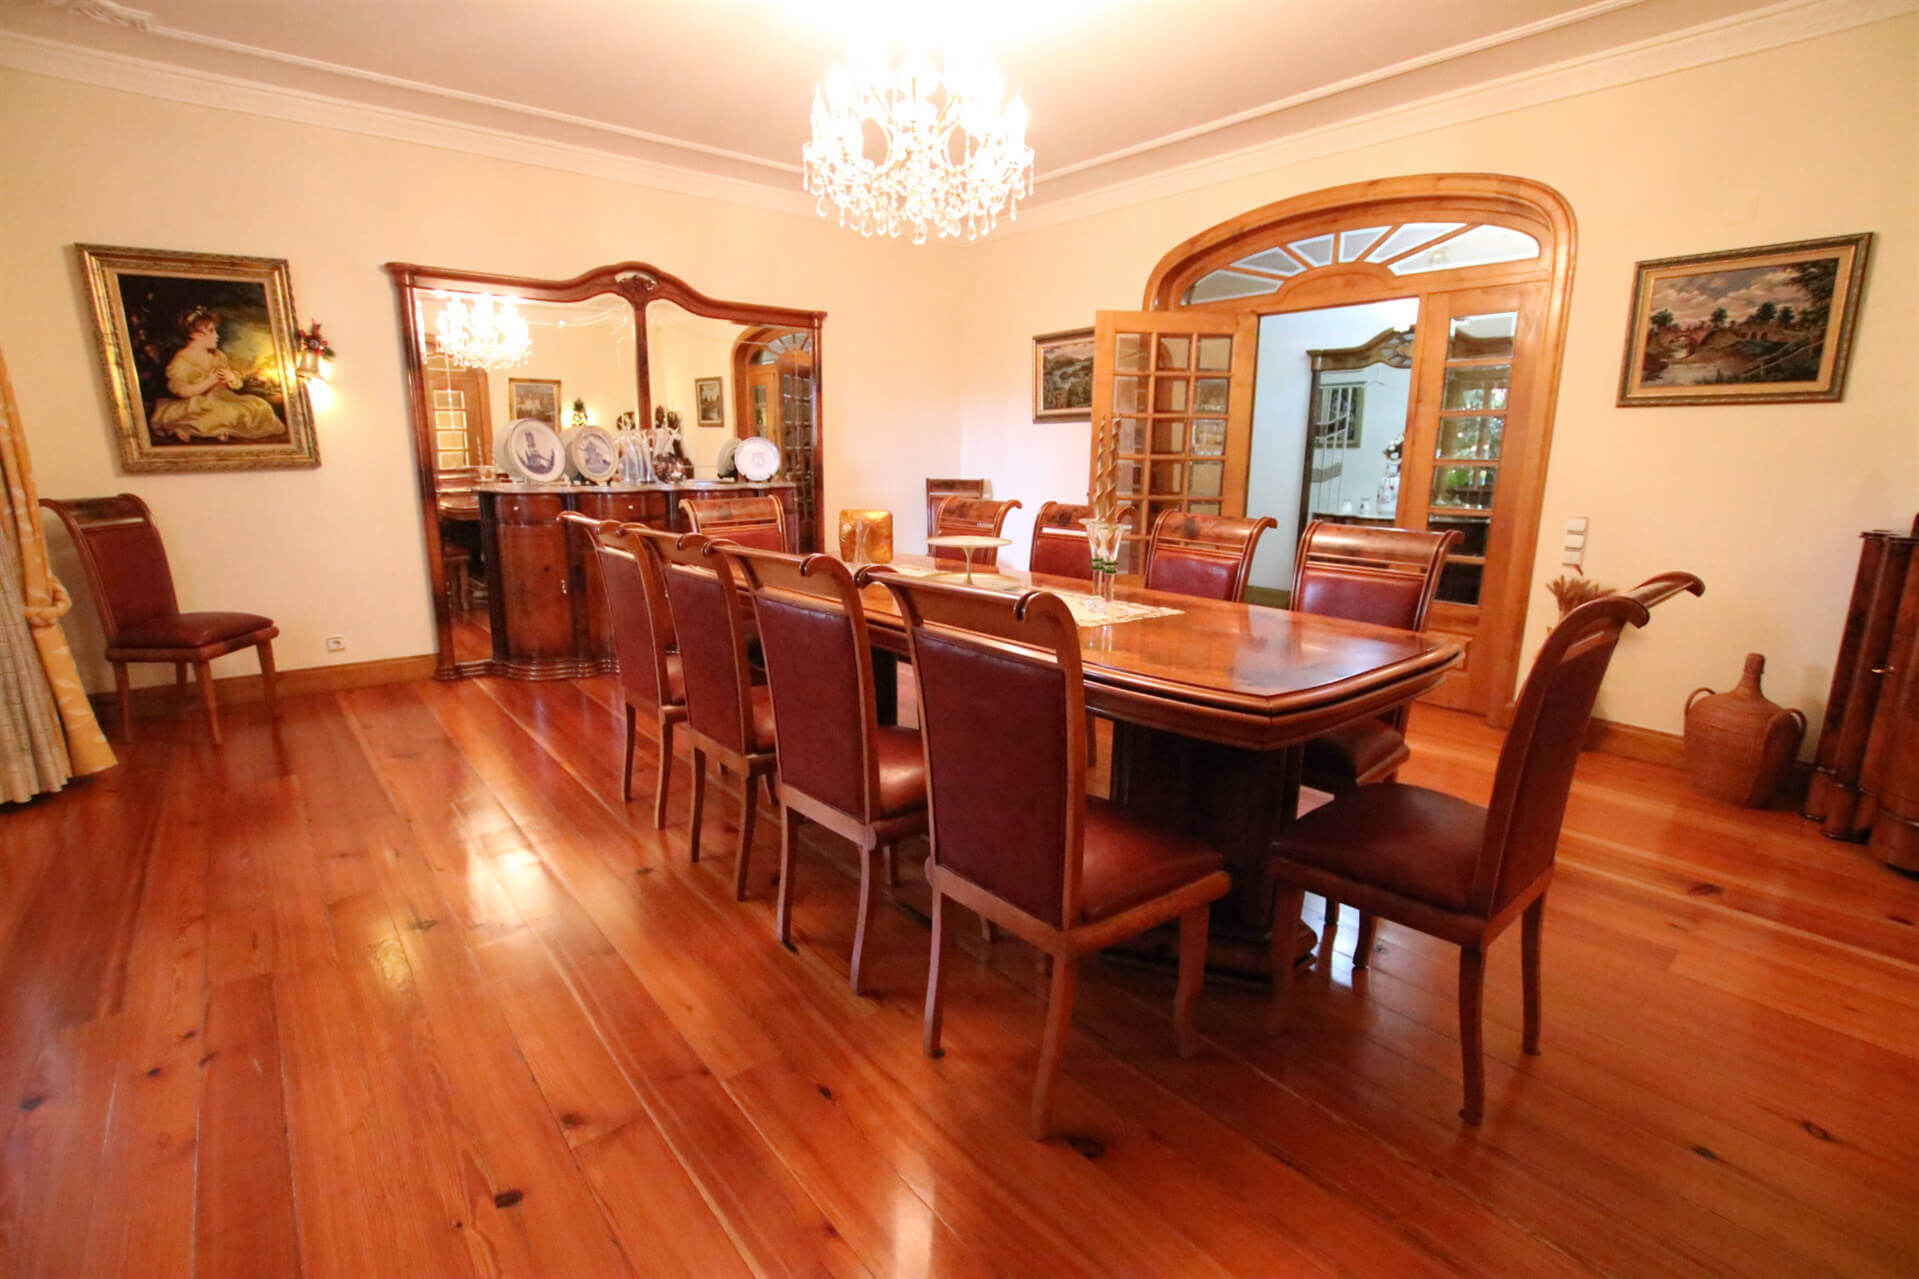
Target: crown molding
[
  {"x": 1756, "y": 31},
  {"x": 37, "y": 55},
  {"x": 1737, "y": 36}
]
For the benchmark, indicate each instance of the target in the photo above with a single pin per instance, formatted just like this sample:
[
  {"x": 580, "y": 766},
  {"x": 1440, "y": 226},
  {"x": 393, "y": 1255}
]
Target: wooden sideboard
[
  {"x": 545, "y": 606},
  {"x": 1865, "y": 785}
]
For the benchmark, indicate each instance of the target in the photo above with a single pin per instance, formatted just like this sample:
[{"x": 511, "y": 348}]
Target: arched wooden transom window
[{"x": 1488, "y": 259}]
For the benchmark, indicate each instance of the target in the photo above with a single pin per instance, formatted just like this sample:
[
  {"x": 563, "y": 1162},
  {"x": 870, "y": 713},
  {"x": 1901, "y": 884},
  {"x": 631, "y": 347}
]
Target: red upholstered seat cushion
[
  {"x": 189, "y": 630},
  {"x": 1408, "y": 840},
  {"x": 1352, "y": 752},
  {"x": 1128, "y": 862},
  {"x": 902, "y": 771},
  {"x": 763, "y": 737}
]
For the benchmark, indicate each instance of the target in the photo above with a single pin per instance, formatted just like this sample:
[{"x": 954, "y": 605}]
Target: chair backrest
[
  {"x": 938, "y": 490},
  {"x": 636, "y": 609},
  {"x": 1003, "y": 721},
  {"x": 709, "y": 620},
  {"x": 1206, "y": 556},
  {"x": 1059, "y": 541},
  {"x": 123, "y": 557},
  {"x": 1549, "y": 728},
  {"x": 744, "y": 521},
  {"x": 819, "y": 666},
  {"x": 1387, "y": 576},
  {"x": 971, "y": 516}
]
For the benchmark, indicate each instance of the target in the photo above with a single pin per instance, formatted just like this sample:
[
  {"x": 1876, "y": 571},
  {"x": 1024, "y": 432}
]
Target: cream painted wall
[
  {"x": 339, "y": 550},
  {"x": 682, "y": 347},
  {"x": 1765, "y": 503}
]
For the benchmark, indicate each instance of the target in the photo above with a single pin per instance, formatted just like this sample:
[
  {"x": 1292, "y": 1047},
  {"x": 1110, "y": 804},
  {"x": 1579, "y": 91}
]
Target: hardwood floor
[{"x": 398, "y": 987}]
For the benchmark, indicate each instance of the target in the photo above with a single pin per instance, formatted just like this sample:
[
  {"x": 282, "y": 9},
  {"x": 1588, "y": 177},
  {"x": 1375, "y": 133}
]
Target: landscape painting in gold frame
[
  {"x": 1063, "y": 376},
  {"x": 1766, "y": 325},
  {"x": 199, "y": 352}
]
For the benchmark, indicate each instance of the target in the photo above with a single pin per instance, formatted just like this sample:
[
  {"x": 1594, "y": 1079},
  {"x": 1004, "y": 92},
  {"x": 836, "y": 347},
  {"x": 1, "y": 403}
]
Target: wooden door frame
[{"x": 1500, "y": 199}]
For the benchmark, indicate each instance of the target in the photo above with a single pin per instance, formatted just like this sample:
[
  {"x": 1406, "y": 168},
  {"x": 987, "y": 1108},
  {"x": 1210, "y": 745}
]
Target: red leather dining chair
[
  {"x": 1450, "y": 868},
  {"x": 1060, "y": 547},
  {"x": 839, "y": 766},
  {"x": 126, "y": 566},
  {"x": 650, "y": 672},
  {"x": 1386, "y": 576},
  {"x": 974, "y": 516},
  {"x": 1015, "y": 836},
  {"x": 727, "y": 715},
  {"x": 1205, "y": 556},
  {"x": 744, "y": 521}
]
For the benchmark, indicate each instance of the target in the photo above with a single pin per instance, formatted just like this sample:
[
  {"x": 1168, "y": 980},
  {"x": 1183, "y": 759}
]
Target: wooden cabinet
[
  {"x": 1865, "y": 783},
  {"x": 545, "y": 604}
]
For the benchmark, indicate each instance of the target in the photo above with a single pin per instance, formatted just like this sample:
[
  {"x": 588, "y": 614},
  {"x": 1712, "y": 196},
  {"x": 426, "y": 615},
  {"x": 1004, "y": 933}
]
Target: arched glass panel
[
  {"x": 1411, "y": 236},
  {"x": 1220, "y": 286},
  {"x": 1353, "y": 243},
  {"x": 1278, "y": 261},
  {"x": 1478, "y": 247},
  {"x": 1318, "y": 250}
]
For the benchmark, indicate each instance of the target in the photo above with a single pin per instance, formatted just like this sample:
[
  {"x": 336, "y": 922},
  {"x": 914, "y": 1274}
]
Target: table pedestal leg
[{"x": 1237, "y": 801}]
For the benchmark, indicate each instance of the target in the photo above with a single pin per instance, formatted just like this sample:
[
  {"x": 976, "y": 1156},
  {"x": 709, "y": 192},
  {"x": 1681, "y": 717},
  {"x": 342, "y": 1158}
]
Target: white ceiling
[{"x": 1118, "y": 89}]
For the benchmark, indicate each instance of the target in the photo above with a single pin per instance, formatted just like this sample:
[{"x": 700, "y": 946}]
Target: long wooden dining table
[{"x": 1211, "y": 707}]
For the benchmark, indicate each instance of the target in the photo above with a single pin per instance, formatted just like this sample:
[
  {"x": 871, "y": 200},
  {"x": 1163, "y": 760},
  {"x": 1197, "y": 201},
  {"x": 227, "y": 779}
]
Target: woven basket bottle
[{"x": 1738, "y": 744}]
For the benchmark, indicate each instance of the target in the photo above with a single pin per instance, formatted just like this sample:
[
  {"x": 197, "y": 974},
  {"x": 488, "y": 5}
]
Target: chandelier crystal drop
[
  {"x": 951, "y": 156},
  {"x": 486, "y": 333}
]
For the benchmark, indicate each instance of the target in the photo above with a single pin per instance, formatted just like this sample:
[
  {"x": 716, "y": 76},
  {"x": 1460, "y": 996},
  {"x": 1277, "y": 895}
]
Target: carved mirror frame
[{"x": 641, "y": 284}]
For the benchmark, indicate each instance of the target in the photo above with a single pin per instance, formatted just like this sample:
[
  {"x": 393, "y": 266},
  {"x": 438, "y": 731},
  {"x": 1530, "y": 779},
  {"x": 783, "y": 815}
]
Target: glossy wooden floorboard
[{"x": 398, "y": 986}]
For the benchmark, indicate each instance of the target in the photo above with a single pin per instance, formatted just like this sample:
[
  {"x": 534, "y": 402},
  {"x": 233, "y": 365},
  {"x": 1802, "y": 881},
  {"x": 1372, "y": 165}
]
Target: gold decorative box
[{"x": 866, "y": 537}]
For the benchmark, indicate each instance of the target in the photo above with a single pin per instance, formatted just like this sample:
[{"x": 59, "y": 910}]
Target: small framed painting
[
  {"x": 534, "y": 397},
  {"x": 1767, "y": 325},
  {"x": 1063, "y": 376},
  {"x": 199, "y": 354},
  {"x": 707, "y": 397}
]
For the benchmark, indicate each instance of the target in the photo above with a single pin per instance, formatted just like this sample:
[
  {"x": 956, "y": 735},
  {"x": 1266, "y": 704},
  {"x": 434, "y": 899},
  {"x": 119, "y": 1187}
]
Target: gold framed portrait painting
[
  {"x": 709, "y": 397},
  {"x": 534, "y": 397},
  {"x": 1766, "y": 325},
  {"x": 199, "y": 355}
]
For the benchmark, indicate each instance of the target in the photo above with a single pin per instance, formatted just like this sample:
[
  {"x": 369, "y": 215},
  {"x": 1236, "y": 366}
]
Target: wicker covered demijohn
[{"x": 1738, "y": 744}]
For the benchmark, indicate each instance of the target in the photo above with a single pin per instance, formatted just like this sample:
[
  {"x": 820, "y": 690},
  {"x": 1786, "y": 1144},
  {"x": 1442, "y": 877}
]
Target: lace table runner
[{"x": 1087, "y": 610}]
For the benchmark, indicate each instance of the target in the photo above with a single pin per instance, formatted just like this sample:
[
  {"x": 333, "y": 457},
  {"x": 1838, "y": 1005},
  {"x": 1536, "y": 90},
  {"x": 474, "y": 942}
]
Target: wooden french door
[
  {"x": 1179, "y": 387},
  {"x": 1469, "y": 464}
]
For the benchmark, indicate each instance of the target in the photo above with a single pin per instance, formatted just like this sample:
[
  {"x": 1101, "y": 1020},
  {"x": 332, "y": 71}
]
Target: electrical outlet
[{"x": 336, "y": 643}]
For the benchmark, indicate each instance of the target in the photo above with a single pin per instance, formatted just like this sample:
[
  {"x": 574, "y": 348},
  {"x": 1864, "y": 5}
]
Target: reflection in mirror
[
  {"x": 578, "y": 368},
  {"x": 730, "y": 382}
]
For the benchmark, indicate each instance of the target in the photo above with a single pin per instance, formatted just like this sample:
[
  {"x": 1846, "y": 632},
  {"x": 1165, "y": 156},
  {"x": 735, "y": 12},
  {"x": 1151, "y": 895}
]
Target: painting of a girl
[
  {"x": 199, "y": 352},
  {"x": 206, "y": 399}
]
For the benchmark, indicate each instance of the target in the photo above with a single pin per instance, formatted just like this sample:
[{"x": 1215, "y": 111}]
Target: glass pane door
[{"x": 1178, "y": 388}]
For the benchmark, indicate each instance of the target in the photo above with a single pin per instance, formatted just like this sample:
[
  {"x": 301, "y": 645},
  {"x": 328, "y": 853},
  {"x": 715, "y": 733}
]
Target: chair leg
[
  {"x": 125, "y": 686},
  {"x": 1328, "y": 935},
  {"x": 1192, "y": 971},
  {"x": 265, "y": 649},
  {"x": 942, "y": 910},
  {"x": 1472, "y": 989},
  {"x": 749, "y": 816},
  {"x": 868, "y": 869},
  {"x": 666, "y": 774},
  {"x": 205, "y": 672},
  {"x": 1286, "y": 903},
  {"x": 1530, "y": 925},
  {"x": 626, "y": 765},
  {"x": 1368, "y": 934},
  {"x": 699, "y": 801},
  {"x": 1052, "y": 1049},
  {"x": 789, "y": 842}
]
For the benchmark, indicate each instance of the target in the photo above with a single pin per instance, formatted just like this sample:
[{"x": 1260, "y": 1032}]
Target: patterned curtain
[{"x": 47, "y": 730}]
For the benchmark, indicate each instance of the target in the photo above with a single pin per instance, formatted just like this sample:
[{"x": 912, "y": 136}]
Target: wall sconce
[{"x": 313, "y": 359}]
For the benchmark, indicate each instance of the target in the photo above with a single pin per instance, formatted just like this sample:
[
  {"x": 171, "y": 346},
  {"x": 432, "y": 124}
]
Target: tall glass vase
[{"x": 1102, "y": 540}]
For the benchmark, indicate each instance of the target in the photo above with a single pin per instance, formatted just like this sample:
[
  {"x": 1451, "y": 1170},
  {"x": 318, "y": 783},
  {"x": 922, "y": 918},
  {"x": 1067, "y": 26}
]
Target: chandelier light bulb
[{"x": 953, "y": 155}]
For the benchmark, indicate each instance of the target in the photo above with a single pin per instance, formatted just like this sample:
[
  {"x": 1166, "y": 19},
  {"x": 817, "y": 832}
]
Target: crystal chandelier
[
  {"x": 486, "y": 334},
  {"x": 952, "y": 159}
]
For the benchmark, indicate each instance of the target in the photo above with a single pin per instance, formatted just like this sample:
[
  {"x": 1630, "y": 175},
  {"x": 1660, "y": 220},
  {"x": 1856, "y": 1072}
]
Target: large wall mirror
[{"x": 622, "y": 347}]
